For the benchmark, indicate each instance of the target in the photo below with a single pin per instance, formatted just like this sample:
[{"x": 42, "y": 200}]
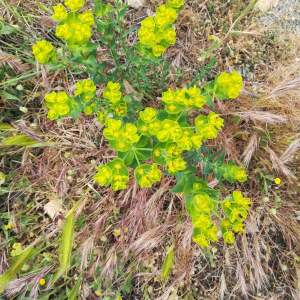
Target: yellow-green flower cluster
[
  {"x": 148, "y": 123},
  {"x": 102, "y": 117},
  {"x": 235, "y": 206},
  {"x": 86, "y": 89},
  {"x": 120, "y": 109},
  {"x": 89, "y": 110},
  {"x": 74, "y": 5},
  {"x": 114, "y": 173},
  {"x": 121, "y": 138},
  {"x": 209, "y": 126},
  {"x": 204, "y": 231},
  {"x": 232, "y": 173},
  {"x": 73, "y": 27},
  {"x": 229, "y": 85},
  {"x": 168, "y": 130},
  {"x": 169, "y": 154},
  {"x": 44, "y": 52},
  {"x": 176, "y": 4},
  {"x": 183, "y": 99},
  {"x": 176, "y": 165},
  {"x": 112, "y": 92},
  {"x": 60, "y": 12},
  {"x": 157, "y": 34},
  {"x": 146, "y": 175},
  {"x": 59, "y": 103}
]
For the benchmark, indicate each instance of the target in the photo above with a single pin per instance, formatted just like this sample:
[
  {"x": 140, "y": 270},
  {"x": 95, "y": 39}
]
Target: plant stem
[
  {"x": 136, "y": 158},
  {"x": 146, "y": 149}
]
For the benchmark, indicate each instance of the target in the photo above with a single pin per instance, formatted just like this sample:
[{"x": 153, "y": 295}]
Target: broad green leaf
[
  {"x": 209, "y": 101},
  {"x": 101, "y": 10},
  {"x": 127, "y": 157},
  {"x": 179, "y": 187},
  {"x": 210, "y": 87},
  {"x": 76, "y": 108}
]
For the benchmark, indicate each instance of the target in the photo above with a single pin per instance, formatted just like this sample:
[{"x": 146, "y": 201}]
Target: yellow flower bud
[
  {"x": 60, "y": 12},
  {"x": 74, "y": 5}
]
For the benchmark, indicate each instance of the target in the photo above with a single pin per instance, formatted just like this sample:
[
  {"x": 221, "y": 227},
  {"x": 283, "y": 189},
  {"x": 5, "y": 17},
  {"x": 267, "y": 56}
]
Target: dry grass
[{"x": 264, "y": 262}]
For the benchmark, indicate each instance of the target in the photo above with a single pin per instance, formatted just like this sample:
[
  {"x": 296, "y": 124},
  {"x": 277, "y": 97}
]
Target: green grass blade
[
  {"x": 17, "y": 265},
  {"x": 65, "y": 250},
  {"x": 19, "y": 140},
  {"x": 74, "y": 292}
]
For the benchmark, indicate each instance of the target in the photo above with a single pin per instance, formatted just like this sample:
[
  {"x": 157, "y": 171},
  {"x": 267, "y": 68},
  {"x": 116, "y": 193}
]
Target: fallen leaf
[
  {"x": 53, "y": 209},
  {"x": 136, "y": 3}
]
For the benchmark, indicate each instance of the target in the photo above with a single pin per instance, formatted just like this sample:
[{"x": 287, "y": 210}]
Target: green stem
[
  {"x": 180, "y": 115},
  {"x": 215, "y": 212},
  {"x": 20, "y": 78},
  {"x": 136, "y": 158},
  {"x": 146, "y": 149}
]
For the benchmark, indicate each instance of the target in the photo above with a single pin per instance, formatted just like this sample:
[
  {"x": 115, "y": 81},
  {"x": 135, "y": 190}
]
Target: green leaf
[
  {"x": 76, "y": 108},
  {"x": 109, "y": 32},
  {"x": 168, "y": 265},
  {"x": 209, "y": 101},
  {"x": 189, "y": 187},
  {"x": 142, "y": 142},
  {"x": 130, "y": 31},
  {"x": 127, "y": 157},
  {"x": 100, "y": 25},
  {"x": 188, "y": 202},
  {"x": 122, "y": 12},
  {"x": 210, "y": 87},
  {"x": 44, "y": 8},
  {"x": 19, "y": 140},
  {"x": 6, "y": 29},
  {"x": 101, "y": 10},
  {"x": 8, "y": 96},
  {"x": 89, "y": 46},
  {"x": 218, "y": 173},
  {"x": 179, "y": 187}
]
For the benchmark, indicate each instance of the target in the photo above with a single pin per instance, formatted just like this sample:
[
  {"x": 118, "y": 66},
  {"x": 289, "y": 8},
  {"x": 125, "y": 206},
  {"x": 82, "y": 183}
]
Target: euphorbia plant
[
  {"x": 149, "y": 140},
  {"x": 174, "y": 141}
]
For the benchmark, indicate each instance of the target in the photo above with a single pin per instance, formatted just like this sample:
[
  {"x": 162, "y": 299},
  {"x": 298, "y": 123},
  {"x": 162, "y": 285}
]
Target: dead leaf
[
  {"x": 136, "y": 3},
  {"x": 53, "y": 209},
  {"x": 264, "y": 5}
]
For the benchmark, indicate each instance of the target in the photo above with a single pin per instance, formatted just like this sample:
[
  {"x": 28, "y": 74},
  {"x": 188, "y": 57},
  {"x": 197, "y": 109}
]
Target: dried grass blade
[
  {"x": 288, "y": 154},
  {"x": 263, "y": 117}
]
